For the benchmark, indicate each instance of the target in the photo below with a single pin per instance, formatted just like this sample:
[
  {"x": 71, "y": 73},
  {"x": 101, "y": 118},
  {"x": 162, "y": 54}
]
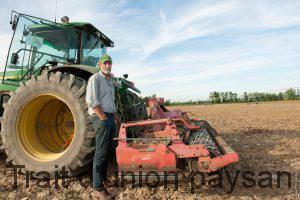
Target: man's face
[{"x": 105, "y": 67}]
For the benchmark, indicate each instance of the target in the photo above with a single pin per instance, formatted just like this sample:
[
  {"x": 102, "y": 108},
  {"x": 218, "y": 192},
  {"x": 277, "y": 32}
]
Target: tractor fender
[{"x": 82, "y": 71}]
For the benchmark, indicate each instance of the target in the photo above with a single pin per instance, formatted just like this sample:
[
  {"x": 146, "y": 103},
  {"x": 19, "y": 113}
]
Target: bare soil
[{"x": 266, "y": 137}]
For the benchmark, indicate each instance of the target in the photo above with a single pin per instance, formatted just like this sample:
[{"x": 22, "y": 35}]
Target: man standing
[{"x": 100, "y": 96}]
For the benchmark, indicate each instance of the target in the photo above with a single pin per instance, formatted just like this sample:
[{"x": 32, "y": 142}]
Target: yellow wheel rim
[{"x": 45, "y": 128}]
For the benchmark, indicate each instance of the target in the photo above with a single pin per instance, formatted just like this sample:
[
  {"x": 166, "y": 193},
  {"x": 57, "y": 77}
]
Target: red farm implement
[{"x": 169, "y": 138}]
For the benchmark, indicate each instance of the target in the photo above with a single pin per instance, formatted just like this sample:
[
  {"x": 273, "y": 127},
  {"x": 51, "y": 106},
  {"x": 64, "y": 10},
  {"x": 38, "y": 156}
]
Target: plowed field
[{"x": 266, "y": 136}]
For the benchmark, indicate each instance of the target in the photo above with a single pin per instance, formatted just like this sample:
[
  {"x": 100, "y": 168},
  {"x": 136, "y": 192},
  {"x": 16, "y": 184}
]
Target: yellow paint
[
  {"x": 10, "y": 77},
  {"x": 45, "y": 128}
]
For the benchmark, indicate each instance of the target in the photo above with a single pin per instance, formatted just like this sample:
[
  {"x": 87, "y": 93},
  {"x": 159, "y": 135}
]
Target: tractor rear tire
[{"x": 46, "y": 125}]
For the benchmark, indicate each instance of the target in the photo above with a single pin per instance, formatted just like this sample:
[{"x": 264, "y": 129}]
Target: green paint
[
  {"x": 8, "y": 88},
  {"x": 16, "y": 72}
]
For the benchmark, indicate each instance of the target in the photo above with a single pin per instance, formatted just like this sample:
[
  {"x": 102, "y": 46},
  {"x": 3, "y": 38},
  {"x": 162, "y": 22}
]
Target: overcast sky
[{"x": 182, "y": 50}]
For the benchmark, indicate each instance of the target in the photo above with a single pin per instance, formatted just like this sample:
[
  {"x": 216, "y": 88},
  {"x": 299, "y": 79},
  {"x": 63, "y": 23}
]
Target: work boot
[
  {"x": 108, "y": 183},
  {"x": 103, "y": 194}
]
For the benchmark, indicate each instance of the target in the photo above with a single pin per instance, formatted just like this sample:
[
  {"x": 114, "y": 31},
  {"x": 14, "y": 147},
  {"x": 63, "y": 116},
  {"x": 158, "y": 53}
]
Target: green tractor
[{"x": 45, "y": 123}]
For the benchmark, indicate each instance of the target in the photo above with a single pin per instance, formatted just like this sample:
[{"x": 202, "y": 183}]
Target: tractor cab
[{"x": 37, "y": 42}]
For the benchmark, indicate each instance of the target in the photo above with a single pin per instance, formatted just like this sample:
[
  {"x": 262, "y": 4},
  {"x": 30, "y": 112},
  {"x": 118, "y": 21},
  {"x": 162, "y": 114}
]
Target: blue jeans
[{"x": 105, "y": 132}]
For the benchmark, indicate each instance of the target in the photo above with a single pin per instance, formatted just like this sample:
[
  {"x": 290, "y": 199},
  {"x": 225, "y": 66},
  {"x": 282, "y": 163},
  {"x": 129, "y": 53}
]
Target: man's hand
[
  {"x": 103, "y": 117},
  {"x": 99, "y": 112}
]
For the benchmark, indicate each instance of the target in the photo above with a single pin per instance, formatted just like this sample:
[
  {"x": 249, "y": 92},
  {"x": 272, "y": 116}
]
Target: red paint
[{"x": 163, "y": 157}]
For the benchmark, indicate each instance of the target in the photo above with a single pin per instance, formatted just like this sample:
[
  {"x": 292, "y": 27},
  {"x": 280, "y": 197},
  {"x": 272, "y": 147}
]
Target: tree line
[{"x": 232, "y": 97}]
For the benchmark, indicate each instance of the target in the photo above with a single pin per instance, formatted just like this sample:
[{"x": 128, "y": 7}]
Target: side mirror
[
  {"x": 125, "y": 76},
  {"x": 13, "y": 22},
  {"x": 14, "y": 58}
]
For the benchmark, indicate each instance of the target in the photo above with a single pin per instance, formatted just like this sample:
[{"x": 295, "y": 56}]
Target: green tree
[
  {"x": 235, "y": 97},
  {"x": 167, "y": 102},
  {"x": 290, "y": 94},
  {"x": 298, "y": 93},
  {"x": 280, "y": 96},
  {"x": 214, "y": 97},
  {"x": 245, "y": 97}
]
